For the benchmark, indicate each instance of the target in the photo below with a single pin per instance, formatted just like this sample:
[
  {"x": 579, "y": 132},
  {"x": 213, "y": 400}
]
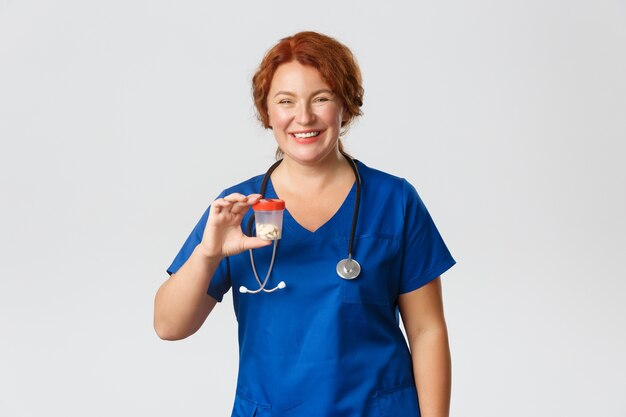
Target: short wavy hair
[{"x": 331, "y": 58}]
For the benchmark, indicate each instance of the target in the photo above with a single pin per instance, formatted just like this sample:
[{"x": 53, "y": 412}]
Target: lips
[
  {"x": 305, "y": 137},
  {"x": 306, "y": 134}
]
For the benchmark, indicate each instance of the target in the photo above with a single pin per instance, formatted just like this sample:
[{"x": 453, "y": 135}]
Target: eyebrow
[{"x": 289, "y": 93}]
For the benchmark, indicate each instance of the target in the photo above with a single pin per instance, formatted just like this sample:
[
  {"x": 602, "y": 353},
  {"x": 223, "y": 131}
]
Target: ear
[
  {"x": 269, "y": 121},
  {"x": 345, "y": 118}
]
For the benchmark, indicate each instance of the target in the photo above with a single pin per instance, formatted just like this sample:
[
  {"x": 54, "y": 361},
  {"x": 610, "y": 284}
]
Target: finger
[
  {"x": 235, "y": 197},
  {"x": 255, "y": 243},
  {"x": 220, "y": 202},
  {"x": 239, "y": 208},
  {"x": 251, "y": 200},
  {"x": 243, "y": 204},
  {"x": 254, "y": 198},
  {"x": 220, "y": 205}
]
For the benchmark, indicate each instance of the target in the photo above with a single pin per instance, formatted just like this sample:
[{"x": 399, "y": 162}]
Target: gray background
[{"x": 121, "y": 120}]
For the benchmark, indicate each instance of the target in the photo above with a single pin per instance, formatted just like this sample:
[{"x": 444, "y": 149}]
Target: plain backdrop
[{"x": 120, "y": 121}]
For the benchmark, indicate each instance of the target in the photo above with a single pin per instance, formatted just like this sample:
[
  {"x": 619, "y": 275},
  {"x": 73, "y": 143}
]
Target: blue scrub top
[{"x": 324, "y": 346}]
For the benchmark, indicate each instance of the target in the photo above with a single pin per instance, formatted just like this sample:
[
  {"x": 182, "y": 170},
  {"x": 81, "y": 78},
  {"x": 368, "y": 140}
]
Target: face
[{"x": 304, "y": 114}]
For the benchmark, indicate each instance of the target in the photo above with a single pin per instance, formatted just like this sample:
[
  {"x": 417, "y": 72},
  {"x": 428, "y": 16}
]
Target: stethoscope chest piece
[{"x": 348, "y": 268}]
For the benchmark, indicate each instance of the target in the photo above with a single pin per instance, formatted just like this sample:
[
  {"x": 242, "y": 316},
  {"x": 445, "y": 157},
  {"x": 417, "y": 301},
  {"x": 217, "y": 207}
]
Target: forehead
[{"x": 297, "y": 78}]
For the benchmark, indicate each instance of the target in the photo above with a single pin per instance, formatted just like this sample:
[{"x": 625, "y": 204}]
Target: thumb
[{"x": 255, "y": 243}]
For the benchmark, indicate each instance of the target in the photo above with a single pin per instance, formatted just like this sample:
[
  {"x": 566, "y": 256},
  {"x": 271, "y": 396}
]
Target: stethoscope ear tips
[{"x": 280, "y": 286}]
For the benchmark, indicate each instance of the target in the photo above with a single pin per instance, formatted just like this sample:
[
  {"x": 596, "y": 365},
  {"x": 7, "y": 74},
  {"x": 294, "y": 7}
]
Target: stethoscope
[{"x": 347, "y": 268}]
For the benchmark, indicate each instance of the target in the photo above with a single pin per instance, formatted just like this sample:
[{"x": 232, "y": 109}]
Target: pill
[{"x": 267, "y": 231}]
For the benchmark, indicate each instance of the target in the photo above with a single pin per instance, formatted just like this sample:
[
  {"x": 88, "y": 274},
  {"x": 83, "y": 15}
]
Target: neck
[{"x": 296, "y": 176}]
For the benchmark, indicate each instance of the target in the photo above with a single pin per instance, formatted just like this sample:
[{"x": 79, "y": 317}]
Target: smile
[{"x": 306, "y": 135}]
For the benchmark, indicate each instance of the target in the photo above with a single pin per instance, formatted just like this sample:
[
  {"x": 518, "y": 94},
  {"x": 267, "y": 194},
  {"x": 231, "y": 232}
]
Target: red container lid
[{"x": 270, "y": 204}]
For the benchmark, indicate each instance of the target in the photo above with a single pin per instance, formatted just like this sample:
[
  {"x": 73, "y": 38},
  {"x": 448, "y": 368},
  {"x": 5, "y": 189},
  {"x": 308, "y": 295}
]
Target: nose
[{"x": 304, "y": 114}]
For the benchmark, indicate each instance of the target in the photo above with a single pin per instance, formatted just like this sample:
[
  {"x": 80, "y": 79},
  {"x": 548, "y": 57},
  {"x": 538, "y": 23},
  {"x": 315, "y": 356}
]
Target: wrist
[{"x": 206, "y": 254}]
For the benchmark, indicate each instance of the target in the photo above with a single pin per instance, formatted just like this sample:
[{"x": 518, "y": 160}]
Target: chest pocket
[{"x": 378, "y": 282}]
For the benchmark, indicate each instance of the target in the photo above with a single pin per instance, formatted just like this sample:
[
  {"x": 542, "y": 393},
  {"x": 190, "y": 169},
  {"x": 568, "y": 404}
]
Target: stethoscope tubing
[
  {"x": 357, "y": 204},
  {"x": 347, "y": 268},
  {"x": 244, "y": 290}
]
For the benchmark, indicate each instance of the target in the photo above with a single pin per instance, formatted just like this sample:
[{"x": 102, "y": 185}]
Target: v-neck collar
[{"x": 333, "y": 226}]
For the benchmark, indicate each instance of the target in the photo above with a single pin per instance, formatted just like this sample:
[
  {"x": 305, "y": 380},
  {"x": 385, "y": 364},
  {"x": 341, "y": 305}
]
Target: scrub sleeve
[{"x": 425, "y": 255}]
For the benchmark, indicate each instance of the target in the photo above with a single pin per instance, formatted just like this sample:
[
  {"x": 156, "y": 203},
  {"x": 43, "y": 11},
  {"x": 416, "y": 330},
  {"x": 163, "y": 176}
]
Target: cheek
[
  {"x": 332, "y": 116},
  {"x": 277, "y": 118}
]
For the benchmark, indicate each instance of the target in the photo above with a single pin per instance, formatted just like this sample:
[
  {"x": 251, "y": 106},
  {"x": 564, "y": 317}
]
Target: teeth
[{"x": 306, "y": 135}]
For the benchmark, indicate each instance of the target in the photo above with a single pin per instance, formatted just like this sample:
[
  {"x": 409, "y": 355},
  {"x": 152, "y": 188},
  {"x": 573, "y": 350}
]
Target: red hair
[{"x": 332, "y": 59}]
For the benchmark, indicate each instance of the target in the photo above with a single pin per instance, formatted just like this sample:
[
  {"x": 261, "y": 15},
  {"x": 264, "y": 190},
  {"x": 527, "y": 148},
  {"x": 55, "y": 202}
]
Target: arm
[
  {"x": 182, "y": 304},
  {"x": 424, "y": 322}
]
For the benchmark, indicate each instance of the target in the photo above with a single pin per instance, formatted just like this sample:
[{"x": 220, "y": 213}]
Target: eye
[
  {"x": 321, "y": 99},
  {"x": 284, "y": 101}
]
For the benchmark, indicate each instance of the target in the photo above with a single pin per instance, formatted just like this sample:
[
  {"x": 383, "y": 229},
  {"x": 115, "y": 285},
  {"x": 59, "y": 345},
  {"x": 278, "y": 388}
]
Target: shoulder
[
  {"x": 249, "y": 186},
  {"x": 383, "y": 182},
  {"x": 396, "y": 193}
]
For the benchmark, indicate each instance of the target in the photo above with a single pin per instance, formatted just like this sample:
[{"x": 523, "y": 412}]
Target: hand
[{"x": 223, "y": 235}]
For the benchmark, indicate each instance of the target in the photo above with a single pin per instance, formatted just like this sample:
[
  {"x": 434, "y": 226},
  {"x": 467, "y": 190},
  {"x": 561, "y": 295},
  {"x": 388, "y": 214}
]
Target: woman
[{"x": 323, "y": 345}]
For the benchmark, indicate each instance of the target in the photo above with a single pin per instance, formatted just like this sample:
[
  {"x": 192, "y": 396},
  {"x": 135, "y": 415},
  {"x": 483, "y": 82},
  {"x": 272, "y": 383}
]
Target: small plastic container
[{"x": 268, "y": 216}]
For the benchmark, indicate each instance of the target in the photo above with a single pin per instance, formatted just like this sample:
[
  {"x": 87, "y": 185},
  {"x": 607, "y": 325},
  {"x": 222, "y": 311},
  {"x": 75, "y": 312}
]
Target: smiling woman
[
  {"x": 334, "y": 63},
  {"x": 328, "y": 343},
  {"x": 303, "y": 110}
]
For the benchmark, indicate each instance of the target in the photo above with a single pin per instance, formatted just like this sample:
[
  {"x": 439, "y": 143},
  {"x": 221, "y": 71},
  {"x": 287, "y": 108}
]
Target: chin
[{"x": 308, "y": 157}]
